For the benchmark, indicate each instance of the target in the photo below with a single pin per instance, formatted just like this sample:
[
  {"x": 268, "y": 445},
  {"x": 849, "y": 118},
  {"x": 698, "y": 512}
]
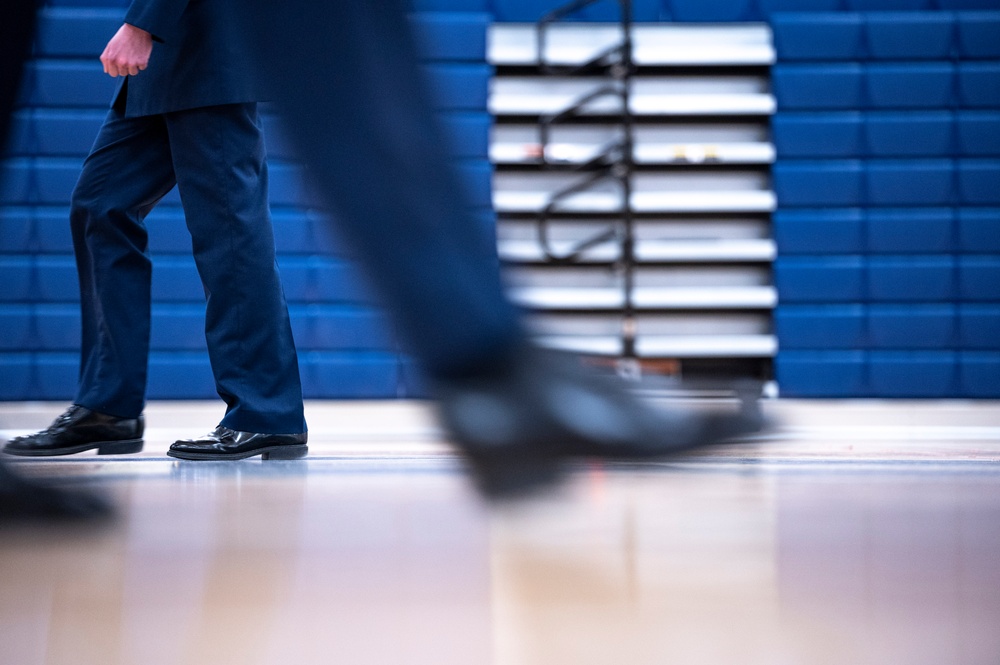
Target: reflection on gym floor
[{"x": 858, "y": 542}]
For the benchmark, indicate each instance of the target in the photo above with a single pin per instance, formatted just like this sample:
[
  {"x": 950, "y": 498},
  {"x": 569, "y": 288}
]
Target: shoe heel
[
  {"x": 286, "y": 452},
  {"x": 120, "y": 447}
]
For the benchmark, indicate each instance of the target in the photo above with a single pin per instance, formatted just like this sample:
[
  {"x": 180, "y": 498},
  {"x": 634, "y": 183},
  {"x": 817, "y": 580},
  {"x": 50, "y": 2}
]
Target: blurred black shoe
[
  {"x": 80, "y": 429},
  {"x": 520, "y": 421},
  {"x": 26, "y": 500}
]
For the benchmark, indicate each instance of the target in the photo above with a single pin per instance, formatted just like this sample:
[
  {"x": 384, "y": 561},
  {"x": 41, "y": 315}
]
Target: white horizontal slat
[
  {"x": 718, "y": 250},
  {"x": 710, "y": 346},
  {"x": 650, "y": 96},
  {"x": 707, "y": 346},
  {"x": 653, "y": 44},
  {"x": 648, "y": 250},
  {"x": 744, "y": 297},
  {"x": 643, "y": 153},
  {"x": 594, "y": 345},
  {"x": 645, "y": 202}
]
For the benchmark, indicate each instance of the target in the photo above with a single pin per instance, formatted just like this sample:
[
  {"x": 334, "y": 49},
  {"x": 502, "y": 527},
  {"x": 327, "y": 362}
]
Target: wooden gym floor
[{"x": 856, "y": 533}]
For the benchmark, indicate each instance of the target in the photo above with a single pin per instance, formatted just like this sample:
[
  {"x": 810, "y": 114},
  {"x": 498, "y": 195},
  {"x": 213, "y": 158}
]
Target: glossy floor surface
[{"x": 855, "y": 533}]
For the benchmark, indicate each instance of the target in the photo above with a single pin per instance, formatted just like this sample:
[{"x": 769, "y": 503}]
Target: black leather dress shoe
[
  {"x": 80, "y": 429},
  {"x": 520, "y": 421},
  {"x": 225, "y": 443}
]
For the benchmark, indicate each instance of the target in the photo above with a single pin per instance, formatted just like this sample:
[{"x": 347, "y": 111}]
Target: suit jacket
[{"x": 198, "y": 58}]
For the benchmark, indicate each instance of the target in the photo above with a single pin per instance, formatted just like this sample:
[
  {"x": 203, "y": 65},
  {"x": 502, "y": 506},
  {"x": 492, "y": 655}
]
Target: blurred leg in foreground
[
  {"x": 21, "y": 498},
  {"x": 345, "y": 79}
]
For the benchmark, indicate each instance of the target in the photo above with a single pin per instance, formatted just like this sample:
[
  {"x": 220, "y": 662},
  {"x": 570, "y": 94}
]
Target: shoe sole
[
  {"x": 126, "y": 447},
  {"x": 285, "y": 452}
]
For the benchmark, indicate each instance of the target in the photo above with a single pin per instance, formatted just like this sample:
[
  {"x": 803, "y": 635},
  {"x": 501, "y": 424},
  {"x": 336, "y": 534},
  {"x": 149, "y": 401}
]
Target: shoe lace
[
  {"x": 65, "y": 417},
  {"x": 61, "y": 421}
]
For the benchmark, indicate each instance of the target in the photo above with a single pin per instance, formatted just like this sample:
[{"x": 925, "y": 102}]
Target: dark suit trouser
[
  {"x": 345, "y": 79},
  {"x": 215, "y": 156}
]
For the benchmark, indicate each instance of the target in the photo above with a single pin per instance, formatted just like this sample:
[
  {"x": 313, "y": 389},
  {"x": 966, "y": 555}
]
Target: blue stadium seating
[
  {"x": 968, "y": 4},
  {"x": 15, "y": 379},
  {"x": 710, "y": 11},
  {"x": 333, "y": 375},
  {"x": 979, "y": 230},
  {"x": 818, "y": 134},
  {"x": 769, "y": 7},
  {"x": 979, "y": 374},
  {"x": 824, "y": 231},
  {"x": 979, "y": 326},
  {"x": 910, "y": 85},
  {"x": 820, "y": 279},
  {"x": 924, "y": 374},
  {"x": 978, "y": 133},
  {"x": 817, "y": 36},
  {"x": 819, "y": 183},
  {"x": 909, "y": 35},
  {"x": 977, "y": 182},
  {"x": 911, "y": 279},
  {"x": 979, "y": 278},
  {"x": 909, "y": 327},
  {"x": 909, "y": 134},
  {"x": 175, "y": 375},
  {"x": 979, "y": 84},
  {"x": 821, "y": 326},
  {"x": 911, "y": 231},
  {"x": 977, "y": 35},
  {"x": 910, "y": 182},
  {"x": 826, "y": 86},
  {"x": 822, "y": 373},
  {"x": 887, "y": 5}
]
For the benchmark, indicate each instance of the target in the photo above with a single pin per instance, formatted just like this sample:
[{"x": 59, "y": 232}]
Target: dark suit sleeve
[{"x": 160, "y": 18}]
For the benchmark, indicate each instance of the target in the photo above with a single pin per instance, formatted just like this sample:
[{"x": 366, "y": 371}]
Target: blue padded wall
[
  {"x": 888, "y": 182},
  {"x": 346, "y": 343}
]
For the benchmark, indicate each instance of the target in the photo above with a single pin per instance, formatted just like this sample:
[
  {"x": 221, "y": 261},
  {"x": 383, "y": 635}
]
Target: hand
[{"x": 128, "y": 51}]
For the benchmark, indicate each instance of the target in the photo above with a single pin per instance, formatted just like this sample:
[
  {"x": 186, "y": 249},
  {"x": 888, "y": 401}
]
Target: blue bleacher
[
  {"x": 819, "y": 183},
  {"x": 979, "y": 375},
  {"x": 930, "y": 278},
  {"x": 979, "y": 84},
  {"x": 909, "y": 327},
  {"x": 979, "y": 278},
  {"x": 909, "y": 85},
  {"x": 887, "y": 5},
  {"x": 977, "y": 35},
  {"x": 909, "y": 35},
  {"x": 820, "y": 279},
  {"x": 818, "y": 86},
  {"x": 968, "y": 4},
  {"x": 817, "y": 36},
  {"x": 913, "y": 374},
  {"x": 978, "y": 182},
  {"x": 813, "y": 135},
  {"x": 979, "y": 326},
  {"x": 822, "y": 373},
  {"x": 819, "y": 231},
  {"x": 910, "y": 182},
  {"x": 911, "y": 231},
  {"x": 710, "y": 11},
  {"x": 979, "y": 230},
  {"x": 821, "y": 326},
  {"x": 978, "y": 133},
  {"x": 909, "y": 134},
  {"x": 769, "y": 7}
]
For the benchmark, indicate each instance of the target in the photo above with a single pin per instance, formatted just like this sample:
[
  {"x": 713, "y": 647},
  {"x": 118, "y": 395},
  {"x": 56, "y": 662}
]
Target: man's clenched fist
[{"x": 128, "y": 51}]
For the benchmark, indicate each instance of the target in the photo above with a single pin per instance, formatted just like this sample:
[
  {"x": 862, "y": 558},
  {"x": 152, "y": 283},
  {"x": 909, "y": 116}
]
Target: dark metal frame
[{"x": 614, "y": 162}]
